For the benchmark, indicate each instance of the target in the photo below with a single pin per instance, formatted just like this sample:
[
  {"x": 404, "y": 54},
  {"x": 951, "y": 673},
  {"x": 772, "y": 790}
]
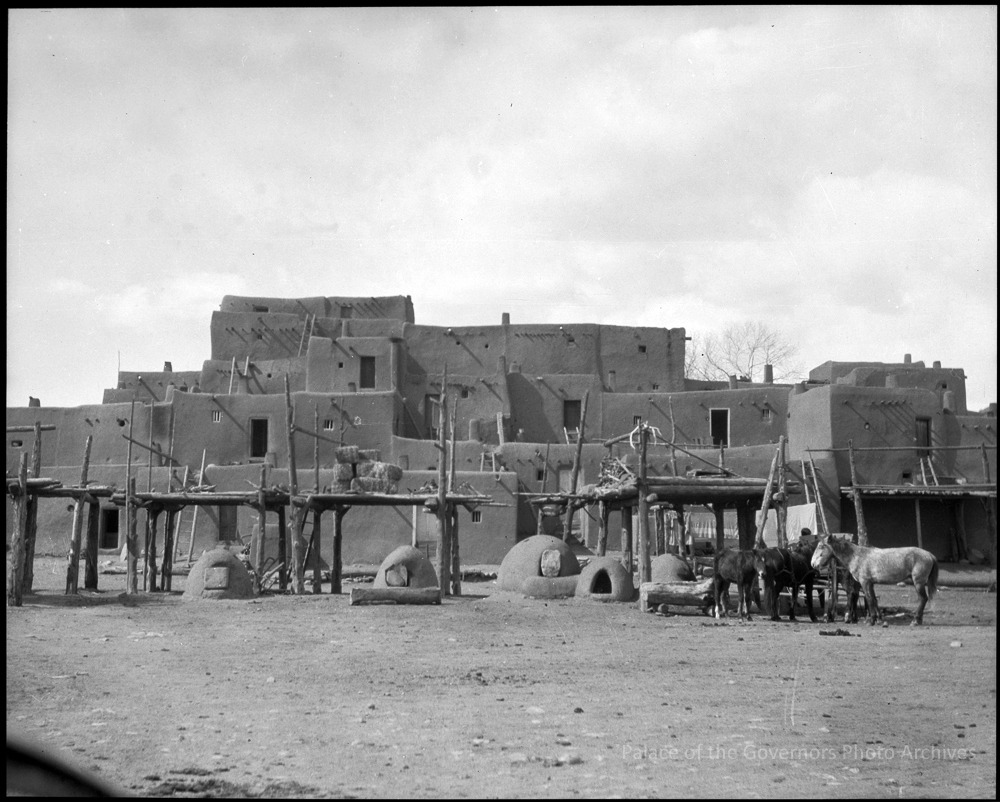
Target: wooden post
[
  {"x": 413, "y": 525},
  {"x": 720, "y": 527},
  {"x": 781, "y": 506},
  {"x": 645, "y": 570},
  {"x": 805, "y": 482},
  {"x": 989, "y": 505},
  {"x": 765, "y": 505},
  {"x": 92, "y": 545},
  {"x": 152, "y": 515},
  {"x": 627, "y": 538},
  {"x": 31, "y": 514},
  {"x": 745, "y": 524},
  {"x": 282, "y": 550},
  {"x": 258, "y": 562},
  {"x": 545, "y": 479},
  {"x": 167, "y": 568},
  {"x": 194, "y": 518},
  {"x": 317, "y": 576},
  {"x": 442, "y": 512},
  {"x": 316, "y": 448},
  {"x": 682, "y": 538},
  {"x": 15, "y": 562},
  {"x": 73, "y": 569},
  {"x": 180, "y": 515},
  {"x": 456, "y": 564},
  {"x": 602, "y": 532},
  {"x": 337, "y": 566},
  {"x": 673, "y": 436},
  {"x": 856, "y": 497},
  {"x": 232, "y": 375},
  {"x": 825, "y": 528},
  {"x": 920, "y": 528},
  {"x": 131, "y": 539},
  {"x": 961, "y": 537},
  {"x": 660, "y": 547},
  {"x": 575, "y": 473},
  {"x": 298, "y": 513}
]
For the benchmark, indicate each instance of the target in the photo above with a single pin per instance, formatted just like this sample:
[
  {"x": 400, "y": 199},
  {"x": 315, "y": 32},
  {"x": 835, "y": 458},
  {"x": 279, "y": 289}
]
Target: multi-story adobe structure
[{"x": 362, "y": 372}]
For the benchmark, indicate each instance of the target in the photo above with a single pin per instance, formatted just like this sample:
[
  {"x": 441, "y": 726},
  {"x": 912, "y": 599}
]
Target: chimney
[
  {"x": 505, "y": 319},
  {"x": 907, "y": 359},
  {"x": 937, "y": 364},
  {"x": 34, "y": 402},
  {"x": 168, "y": 367},
  {"x": 768, "y": 374},
  {"x": 733, "y": 383}
]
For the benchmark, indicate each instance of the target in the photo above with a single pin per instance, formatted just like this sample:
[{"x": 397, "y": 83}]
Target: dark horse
[
  {"x": 735, "y": 566},
  {"x": 785, "y": 568},
  {"x": 884, "y": 566}
]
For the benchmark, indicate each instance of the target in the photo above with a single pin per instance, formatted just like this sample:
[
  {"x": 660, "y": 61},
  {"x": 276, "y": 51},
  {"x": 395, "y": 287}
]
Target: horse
[
  {"x": 883, "y": 566},
  {"x": 805, "y": 546},
  {"x": 785, "y": 568},
  {"x": 735, "y": 566}
]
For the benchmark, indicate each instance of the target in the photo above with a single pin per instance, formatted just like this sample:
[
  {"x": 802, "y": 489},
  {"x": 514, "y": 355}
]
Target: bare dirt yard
[{"x": 494, "y": 695}]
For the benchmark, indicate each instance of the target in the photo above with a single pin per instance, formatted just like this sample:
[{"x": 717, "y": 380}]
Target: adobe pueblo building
[{"x": 361, "y": 372}]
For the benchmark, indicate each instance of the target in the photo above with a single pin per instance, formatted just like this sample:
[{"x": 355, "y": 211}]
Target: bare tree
[{"x": 742, "y": 350}]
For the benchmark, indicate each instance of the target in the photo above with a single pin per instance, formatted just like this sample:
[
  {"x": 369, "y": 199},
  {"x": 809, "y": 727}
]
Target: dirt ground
[{"x": 494, "y": 695}]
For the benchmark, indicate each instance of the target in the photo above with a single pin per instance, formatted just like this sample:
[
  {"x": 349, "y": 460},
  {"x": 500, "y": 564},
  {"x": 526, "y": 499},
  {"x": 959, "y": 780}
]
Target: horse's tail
[{"x": 932, "y": 579}]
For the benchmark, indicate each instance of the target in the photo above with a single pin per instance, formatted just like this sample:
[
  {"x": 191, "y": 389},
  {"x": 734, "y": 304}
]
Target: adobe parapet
[{"x": 389, "y": 307}]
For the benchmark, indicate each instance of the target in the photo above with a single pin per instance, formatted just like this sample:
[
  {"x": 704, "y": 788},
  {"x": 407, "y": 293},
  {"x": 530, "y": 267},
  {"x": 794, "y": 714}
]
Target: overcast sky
[{"x": 830, "y": 171}]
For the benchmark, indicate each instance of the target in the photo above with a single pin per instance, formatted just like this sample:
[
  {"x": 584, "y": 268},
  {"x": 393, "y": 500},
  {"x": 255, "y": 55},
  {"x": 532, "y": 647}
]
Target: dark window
[
  {"x": 571, "y": 415},
  {"x": 431, "y": 415},
  {"x": 719, "y": 426},
  {"x": 260, "y": 309},
  {"x": 642, "y": 349},
  {"x": 636, "y": 420},
  {"x": 258, "y": 437},
  {"x": 923, "y": 437},
  {"x": 540, "y": 474},
  {"x": 477, "y": 516},
  {"x": 16, "y": 443},
  {"x": 368, "y": 372},
  {"x": 109, "y": 528},
  {"x": 346, "y": 311}
]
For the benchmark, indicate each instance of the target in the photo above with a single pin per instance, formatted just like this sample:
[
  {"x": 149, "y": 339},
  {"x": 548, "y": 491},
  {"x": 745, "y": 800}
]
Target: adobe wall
[{"x": 397, "y": 307}]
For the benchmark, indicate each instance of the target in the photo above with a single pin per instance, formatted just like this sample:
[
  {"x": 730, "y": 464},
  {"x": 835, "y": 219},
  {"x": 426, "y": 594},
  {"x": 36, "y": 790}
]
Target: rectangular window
[
  {"x": 642, "y": 349},
  {"x": 636, "y": 420},
  {"x": 258, "y": 438},
  {"x": 367, "y": 372},
  {"x": 571, "y": 415},
  {"x": 540, "y": 474},
  {"x": 260, "y": 308},
  {"x": 346, "y": 311},
  {"x": 329, "y": 425},
  {"x": 216, "y": 416},
  {"x": 923, "y": 437},
  {"x": 765, "y": 414},
  {"x": 16, "y": 443},
  {"x": 431, "y": 415},
  {"x": 477, "y": 516},
  {"x": 718, "y": 421}
]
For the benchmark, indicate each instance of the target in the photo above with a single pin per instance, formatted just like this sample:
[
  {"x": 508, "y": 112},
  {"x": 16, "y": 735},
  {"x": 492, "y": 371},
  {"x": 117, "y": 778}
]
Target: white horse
[{"x": 883, "y": 566}]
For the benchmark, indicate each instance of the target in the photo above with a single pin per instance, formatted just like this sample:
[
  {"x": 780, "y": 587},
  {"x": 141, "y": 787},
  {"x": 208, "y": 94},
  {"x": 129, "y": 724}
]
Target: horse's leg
[
  {"x": 809, "y": 599},
  {"x": 874, "y": 614},
  {"x": 771, "y": 598},
  {"x": 922, "y": 595},
  {"x": 719, "y": 584},
  {"x": 794, "y": 590},
  {"x": 831, "y": 599}
]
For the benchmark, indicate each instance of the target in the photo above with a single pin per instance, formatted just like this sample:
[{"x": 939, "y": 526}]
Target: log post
[
  {"x": 990, "y": 507},
  {"x": 673, "y": 436},
  {"x": 167, "y": 568},
  {"x": 825, "y": 527},
  {"x": 920, "y": 528},
  {"x": 645, "y": 570},
  {"x": 681, "y": 533},
  {"x": 781, "y": 505},
  {"x": 152, "y": 515},
  {"x": 298, "y": 513},
  {"x": 627, "y": 562},
  {"x": 316, "y": 448},
  {"x": 660, "y": 547},
  {"x": 442, "y": 512},
  {"x": 745, "y": 524},
  {"x": 177, "y": 530},
  {"x": 31, "y": 515},
  {"x": 194, "y": 518},
  {"x": 602, "y": 532},
  {"x": 545, "y": 478},
  {"x": 73, "y": 569},
  {"x": 282, "y": 550},
  {"x": 575, "y": 472},
  {"x": 131, "y": 539},
  {"x": 456, "y": 564},
  {"x": 856, "y": 497},
  {"x": 92, "y": 545},
  {"x": 317, "y": 575},
  {"x": 258, "y": 562},
  {"x": 720, "y": 527},
  {"x": 15, "y": 562},
  {"x": 765, "y": 505},
  {"x": 337, "y": 566}
]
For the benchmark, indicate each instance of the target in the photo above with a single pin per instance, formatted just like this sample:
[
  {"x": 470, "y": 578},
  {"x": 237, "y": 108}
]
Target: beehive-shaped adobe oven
[
  {"x": 542, "y": 561},
  {"x": 605, "y": 579},
  {"x": 670, "y": 568},
  {"x": 218, "y": 574},
  {"x": 406, "y": 567}
]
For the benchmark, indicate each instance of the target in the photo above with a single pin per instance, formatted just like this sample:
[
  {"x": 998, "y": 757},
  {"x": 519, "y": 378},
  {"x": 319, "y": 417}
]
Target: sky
[{"x": 830, "y": 171}]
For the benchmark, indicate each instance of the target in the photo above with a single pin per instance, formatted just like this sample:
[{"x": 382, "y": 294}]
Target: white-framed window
[
  {"x": 216, "y": 416},
  {"x": 477, "y": 516},
  {"x": 329, "y": 425}
]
